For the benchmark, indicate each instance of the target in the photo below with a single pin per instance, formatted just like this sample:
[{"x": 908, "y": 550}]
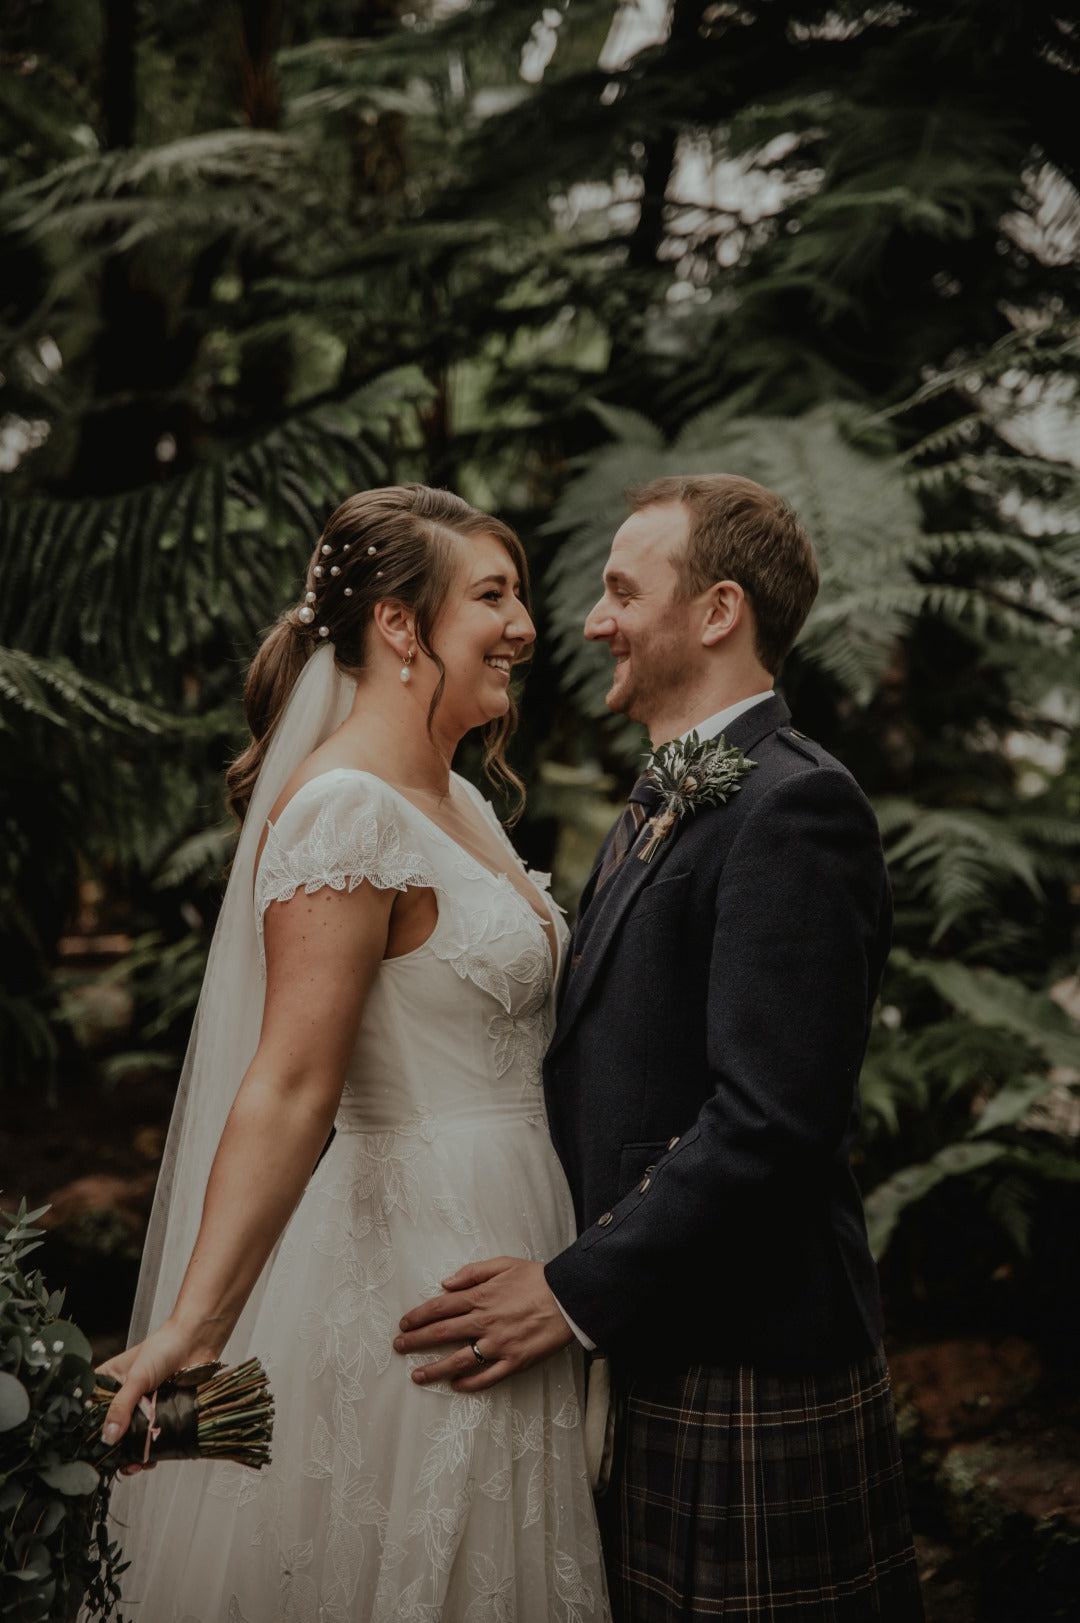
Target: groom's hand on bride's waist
[{"x": 493, "y": 1318}]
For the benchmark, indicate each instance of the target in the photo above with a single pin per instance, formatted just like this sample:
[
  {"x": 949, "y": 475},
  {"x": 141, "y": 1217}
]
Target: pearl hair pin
[{"x": 306, "y": 614}]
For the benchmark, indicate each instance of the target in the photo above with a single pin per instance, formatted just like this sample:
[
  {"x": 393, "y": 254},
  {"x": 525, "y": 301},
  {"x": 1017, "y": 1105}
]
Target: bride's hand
[{"x": 143, "y": 1368}]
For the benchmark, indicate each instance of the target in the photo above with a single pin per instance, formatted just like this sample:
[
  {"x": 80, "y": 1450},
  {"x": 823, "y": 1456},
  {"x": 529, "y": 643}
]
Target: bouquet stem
[{"x": 204, "y": 1413}]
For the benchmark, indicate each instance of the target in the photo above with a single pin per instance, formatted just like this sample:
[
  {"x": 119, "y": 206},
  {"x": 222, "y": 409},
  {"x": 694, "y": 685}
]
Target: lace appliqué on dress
[{"x": 342, "y": 857}]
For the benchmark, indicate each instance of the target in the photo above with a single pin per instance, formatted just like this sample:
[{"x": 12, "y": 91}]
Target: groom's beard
[{"x": 656, "y": 671}]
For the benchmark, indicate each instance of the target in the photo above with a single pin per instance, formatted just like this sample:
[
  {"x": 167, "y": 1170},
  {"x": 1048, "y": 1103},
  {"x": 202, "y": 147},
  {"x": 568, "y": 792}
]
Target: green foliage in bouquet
[
  {"x": 55, "y": 1550},
  {"x": 55, "y": 1470}
]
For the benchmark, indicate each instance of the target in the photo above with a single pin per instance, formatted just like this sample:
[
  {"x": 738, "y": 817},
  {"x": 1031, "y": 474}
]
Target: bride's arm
[{"x": 322, "y": 953}]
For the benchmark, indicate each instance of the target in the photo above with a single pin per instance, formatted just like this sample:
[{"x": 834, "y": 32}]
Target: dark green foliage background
[{"x": 256, "y": 256}]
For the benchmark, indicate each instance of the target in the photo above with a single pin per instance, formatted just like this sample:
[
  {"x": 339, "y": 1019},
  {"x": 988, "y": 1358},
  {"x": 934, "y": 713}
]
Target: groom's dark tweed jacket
[{"x": 702, "y": 1081}]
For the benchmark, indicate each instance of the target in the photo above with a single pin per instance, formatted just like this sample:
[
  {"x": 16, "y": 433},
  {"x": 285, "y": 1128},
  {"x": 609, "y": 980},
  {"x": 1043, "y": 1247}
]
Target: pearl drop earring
[{"x": 405, "y": 663}]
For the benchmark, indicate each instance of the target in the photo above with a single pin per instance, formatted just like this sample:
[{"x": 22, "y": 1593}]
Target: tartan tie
[{"x": 644, "y": 800}]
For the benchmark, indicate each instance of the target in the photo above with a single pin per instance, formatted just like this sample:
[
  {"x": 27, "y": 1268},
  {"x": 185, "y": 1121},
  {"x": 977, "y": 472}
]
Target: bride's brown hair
[{"x": 397, "y": 542}]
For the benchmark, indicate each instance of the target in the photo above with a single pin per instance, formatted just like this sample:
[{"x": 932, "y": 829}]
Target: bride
[{"x": 383, "y": 966}]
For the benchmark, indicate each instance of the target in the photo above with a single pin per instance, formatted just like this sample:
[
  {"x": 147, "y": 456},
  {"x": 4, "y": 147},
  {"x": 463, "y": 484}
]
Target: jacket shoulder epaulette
[{"x": 802, "y": 745}]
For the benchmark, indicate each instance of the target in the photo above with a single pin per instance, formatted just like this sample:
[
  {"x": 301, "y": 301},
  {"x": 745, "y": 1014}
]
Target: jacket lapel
[
  {"x": 606, "y": 914},
  {"x": 595, "y": 940}
]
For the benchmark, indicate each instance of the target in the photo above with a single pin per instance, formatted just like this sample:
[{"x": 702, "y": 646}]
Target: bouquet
[
  {"x": 55, "y": 1470},
  {"x": 206, "y": 1412}
]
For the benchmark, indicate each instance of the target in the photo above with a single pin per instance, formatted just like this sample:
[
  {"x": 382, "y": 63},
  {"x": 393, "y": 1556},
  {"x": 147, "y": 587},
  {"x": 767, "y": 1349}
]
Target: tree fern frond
[
  {"x": 118, "y": 225},
  {"x": 212, "y": 155},
  {"x": 1011, "y": 1204},
  {"x": 142, "y": 576},
  {"x": 52, "y": 690},
  {"x": 1045, "y": 345},
  {"x": 1048, "y": 833},
  {"x": 206, "y": 853},
  {"x": 955, "y": 436},
  {"x": 1011, "y": 1103},
  {"x": 939, "y": 549},
  {"x": 958, "y": 861},
  {"x": 628, "y": 427},
  {"x": 851, "y": 646},
  {"x": 892, "y": 1083},
  {"x": 886, "y": 1204},
  {"x": 995, "y": 1000},
  {"x": 28, "y": 1040}
]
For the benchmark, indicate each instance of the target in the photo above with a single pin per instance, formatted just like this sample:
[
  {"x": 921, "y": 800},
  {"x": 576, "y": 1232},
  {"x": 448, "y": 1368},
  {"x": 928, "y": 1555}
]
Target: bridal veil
[{"x": 228, "y": 1018}]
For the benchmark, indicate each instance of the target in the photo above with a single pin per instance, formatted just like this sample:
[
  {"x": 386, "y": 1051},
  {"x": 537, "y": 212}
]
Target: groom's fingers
[
  {"x": 461, "y": 1369},
  {"x": 439, "y": 1319},
  {"x": 460, "y": 1366},
  {"x": 476, "y": 1380},
  {"x": 475, "y": 1273},
  {"x": 453, "y": 1304}
]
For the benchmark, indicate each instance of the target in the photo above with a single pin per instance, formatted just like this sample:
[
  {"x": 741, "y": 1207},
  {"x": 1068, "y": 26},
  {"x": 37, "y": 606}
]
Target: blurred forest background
[{"x": 256, "y": 254}]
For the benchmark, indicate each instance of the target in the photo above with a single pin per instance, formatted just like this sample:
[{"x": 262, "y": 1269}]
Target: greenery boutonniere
[{"x": 689, "y": 773}]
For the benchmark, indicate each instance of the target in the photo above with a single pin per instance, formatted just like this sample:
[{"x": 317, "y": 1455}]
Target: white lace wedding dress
[{"x": 386, "y": 1501}]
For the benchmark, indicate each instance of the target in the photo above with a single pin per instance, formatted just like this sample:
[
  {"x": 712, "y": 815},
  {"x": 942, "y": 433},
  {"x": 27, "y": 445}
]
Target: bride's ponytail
[{"x": 270, "y": 679}]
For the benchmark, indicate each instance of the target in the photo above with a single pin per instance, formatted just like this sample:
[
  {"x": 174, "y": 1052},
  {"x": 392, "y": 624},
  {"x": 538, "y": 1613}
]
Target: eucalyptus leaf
[
  {"x": 76, "y": 1478},
  {"x": 71, "y": 1340},
  {"x": 51, "y": 1518},
  {"x": 14, "y": 1402}
]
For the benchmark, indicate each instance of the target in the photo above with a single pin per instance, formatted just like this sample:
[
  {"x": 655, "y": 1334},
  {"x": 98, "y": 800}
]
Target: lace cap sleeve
[{"x": 338, "y": 830}]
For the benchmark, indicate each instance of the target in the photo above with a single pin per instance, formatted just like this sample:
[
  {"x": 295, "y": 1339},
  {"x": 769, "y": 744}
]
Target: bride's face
[{"x": 482, "y": 629}]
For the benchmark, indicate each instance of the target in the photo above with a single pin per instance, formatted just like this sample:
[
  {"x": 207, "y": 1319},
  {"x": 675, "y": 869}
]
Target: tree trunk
[{"x": 118, "y": 74}]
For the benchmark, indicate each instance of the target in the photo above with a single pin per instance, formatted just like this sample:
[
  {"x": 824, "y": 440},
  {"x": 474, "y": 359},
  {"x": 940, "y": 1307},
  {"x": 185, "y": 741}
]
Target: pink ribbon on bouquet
[{"x": 148, "y": 1407}]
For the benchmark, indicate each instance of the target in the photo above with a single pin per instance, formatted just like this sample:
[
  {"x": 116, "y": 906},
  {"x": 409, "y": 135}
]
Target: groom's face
[{"x": 643, "y": 619}]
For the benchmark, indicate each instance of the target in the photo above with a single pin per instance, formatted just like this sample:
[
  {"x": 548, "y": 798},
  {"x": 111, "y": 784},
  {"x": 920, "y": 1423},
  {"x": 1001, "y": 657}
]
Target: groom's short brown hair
[{"x": 742, "y": 532}]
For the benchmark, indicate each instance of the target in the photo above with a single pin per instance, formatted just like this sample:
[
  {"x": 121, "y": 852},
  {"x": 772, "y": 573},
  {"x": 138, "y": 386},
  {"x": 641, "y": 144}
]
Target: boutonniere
[{"x": 690, "y": 773}]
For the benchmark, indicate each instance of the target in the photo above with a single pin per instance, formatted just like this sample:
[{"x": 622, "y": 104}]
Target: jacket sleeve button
[
  {"x": 671, "y": 1143},
  {"x": 604, "y": 1219},
  {"x": 644, "y": 1184}
]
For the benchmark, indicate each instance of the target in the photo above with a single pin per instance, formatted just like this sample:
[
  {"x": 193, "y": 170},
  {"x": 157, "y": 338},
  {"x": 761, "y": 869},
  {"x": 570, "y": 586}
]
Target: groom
[{"x": 702, "y": 1094}]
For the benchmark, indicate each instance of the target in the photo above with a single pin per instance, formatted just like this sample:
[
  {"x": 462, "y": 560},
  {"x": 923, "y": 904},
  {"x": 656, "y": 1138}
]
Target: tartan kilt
[{"x": 740, "y": 1494}]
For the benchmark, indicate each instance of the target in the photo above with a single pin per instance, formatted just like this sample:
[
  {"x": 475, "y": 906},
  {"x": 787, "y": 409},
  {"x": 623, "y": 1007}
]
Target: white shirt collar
[{"x": 712, "y": 725}]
